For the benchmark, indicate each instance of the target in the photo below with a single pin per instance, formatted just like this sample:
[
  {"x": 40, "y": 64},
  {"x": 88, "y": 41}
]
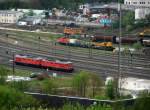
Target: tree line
[{"x": 47, "y": 4}]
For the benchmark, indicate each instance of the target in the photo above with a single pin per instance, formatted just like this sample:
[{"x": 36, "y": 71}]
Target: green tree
[
  {"x": 49, "y": 86},
  {"x": 128, "y": 20},
  {"x": 20, "y": 85},
  {"x": 95, "y": 83},
  {"x": 137, "y": 46},
  {"x": 80, "y": 83},
  {"x": 147, "y": 20},
  {"x": 10, "y": 98},
  {"x": 31, "y": 13},
  {"x": 111, "y": 89},
  {"x": 142, "y": 102},
  {"x": 3, "y": 74}
]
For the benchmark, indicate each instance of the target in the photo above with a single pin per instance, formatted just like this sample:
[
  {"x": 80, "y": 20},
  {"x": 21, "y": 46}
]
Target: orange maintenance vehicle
[{"x": 73, "y": 30}]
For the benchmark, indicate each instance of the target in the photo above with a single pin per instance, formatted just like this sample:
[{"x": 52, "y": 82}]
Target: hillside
[{"x": 45, "y": 4}]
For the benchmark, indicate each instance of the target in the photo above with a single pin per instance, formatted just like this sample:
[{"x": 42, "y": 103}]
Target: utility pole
[
  {"x": 119, "y": 54},
  {"x": 7, "y": 43},
  {"x": 13, "y": 66},
  {"x": 13, "y": 63}
]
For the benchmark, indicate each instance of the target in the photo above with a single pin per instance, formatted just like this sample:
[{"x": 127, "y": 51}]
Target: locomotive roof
[
  {"x": 63, "y": 62},
  {"x": 48, "y": 59},
  {"x": 27, "y": 56}
]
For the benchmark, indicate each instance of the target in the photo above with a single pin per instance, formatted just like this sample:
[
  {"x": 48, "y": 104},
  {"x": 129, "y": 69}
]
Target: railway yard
[
  {"x": 104, "y": 63},
  {"x": 75, "y": 55}
]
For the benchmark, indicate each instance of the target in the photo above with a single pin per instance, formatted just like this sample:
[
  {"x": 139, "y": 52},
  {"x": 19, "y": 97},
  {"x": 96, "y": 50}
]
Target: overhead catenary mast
[{"x": 119, "y": 54}]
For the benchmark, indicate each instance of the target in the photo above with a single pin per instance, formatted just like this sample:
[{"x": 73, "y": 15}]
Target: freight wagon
[
  {"x": 44, "y": 63},
  {"x": 98, "y": 38},
  {"x": 85, "y": 44},
  {"x": 114, "y": 39}
]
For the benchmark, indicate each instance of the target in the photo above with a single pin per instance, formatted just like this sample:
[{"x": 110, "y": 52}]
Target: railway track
[
  {"x": 104, "y": 59},
  {"x": 80, "y": 63},
  {"x": 94, "y": 59},
  {"x": 103, "y": 56}
]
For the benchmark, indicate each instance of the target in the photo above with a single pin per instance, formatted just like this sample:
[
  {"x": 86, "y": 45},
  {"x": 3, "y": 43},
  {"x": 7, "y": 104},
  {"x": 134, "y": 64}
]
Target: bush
[{"x": 137, "y": 46}]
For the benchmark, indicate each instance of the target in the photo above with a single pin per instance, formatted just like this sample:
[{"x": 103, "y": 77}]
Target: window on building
[{"x": 142, "y": 2}]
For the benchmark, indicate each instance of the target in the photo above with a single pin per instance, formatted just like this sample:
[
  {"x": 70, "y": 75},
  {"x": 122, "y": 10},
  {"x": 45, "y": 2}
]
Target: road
[{"x": 101, "y": 62}]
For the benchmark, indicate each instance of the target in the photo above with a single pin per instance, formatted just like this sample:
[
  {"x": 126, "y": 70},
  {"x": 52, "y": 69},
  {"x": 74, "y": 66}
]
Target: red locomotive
[
  {"x": 40, "y": 62},
  {"x": 63, "y": 40}
]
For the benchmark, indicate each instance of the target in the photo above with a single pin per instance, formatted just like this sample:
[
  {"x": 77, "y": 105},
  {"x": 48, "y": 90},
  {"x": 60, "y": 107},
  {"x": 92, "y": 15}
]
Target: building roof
[
  {"x": 37, "y": 12},
  {"x": 30, "y": 18}
]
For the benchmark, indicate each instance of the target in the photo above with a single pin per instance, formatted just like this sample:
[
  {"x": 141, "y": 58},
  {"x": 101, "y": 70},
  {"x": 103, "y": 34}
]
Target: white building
[
  {"x": 29, "y": 20},
  {"x": 17, "y": 78},
  {"x": 134, "y": 85},
  {"x": 144, "y": 7},
  {"x": 7, "y": 16}
]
